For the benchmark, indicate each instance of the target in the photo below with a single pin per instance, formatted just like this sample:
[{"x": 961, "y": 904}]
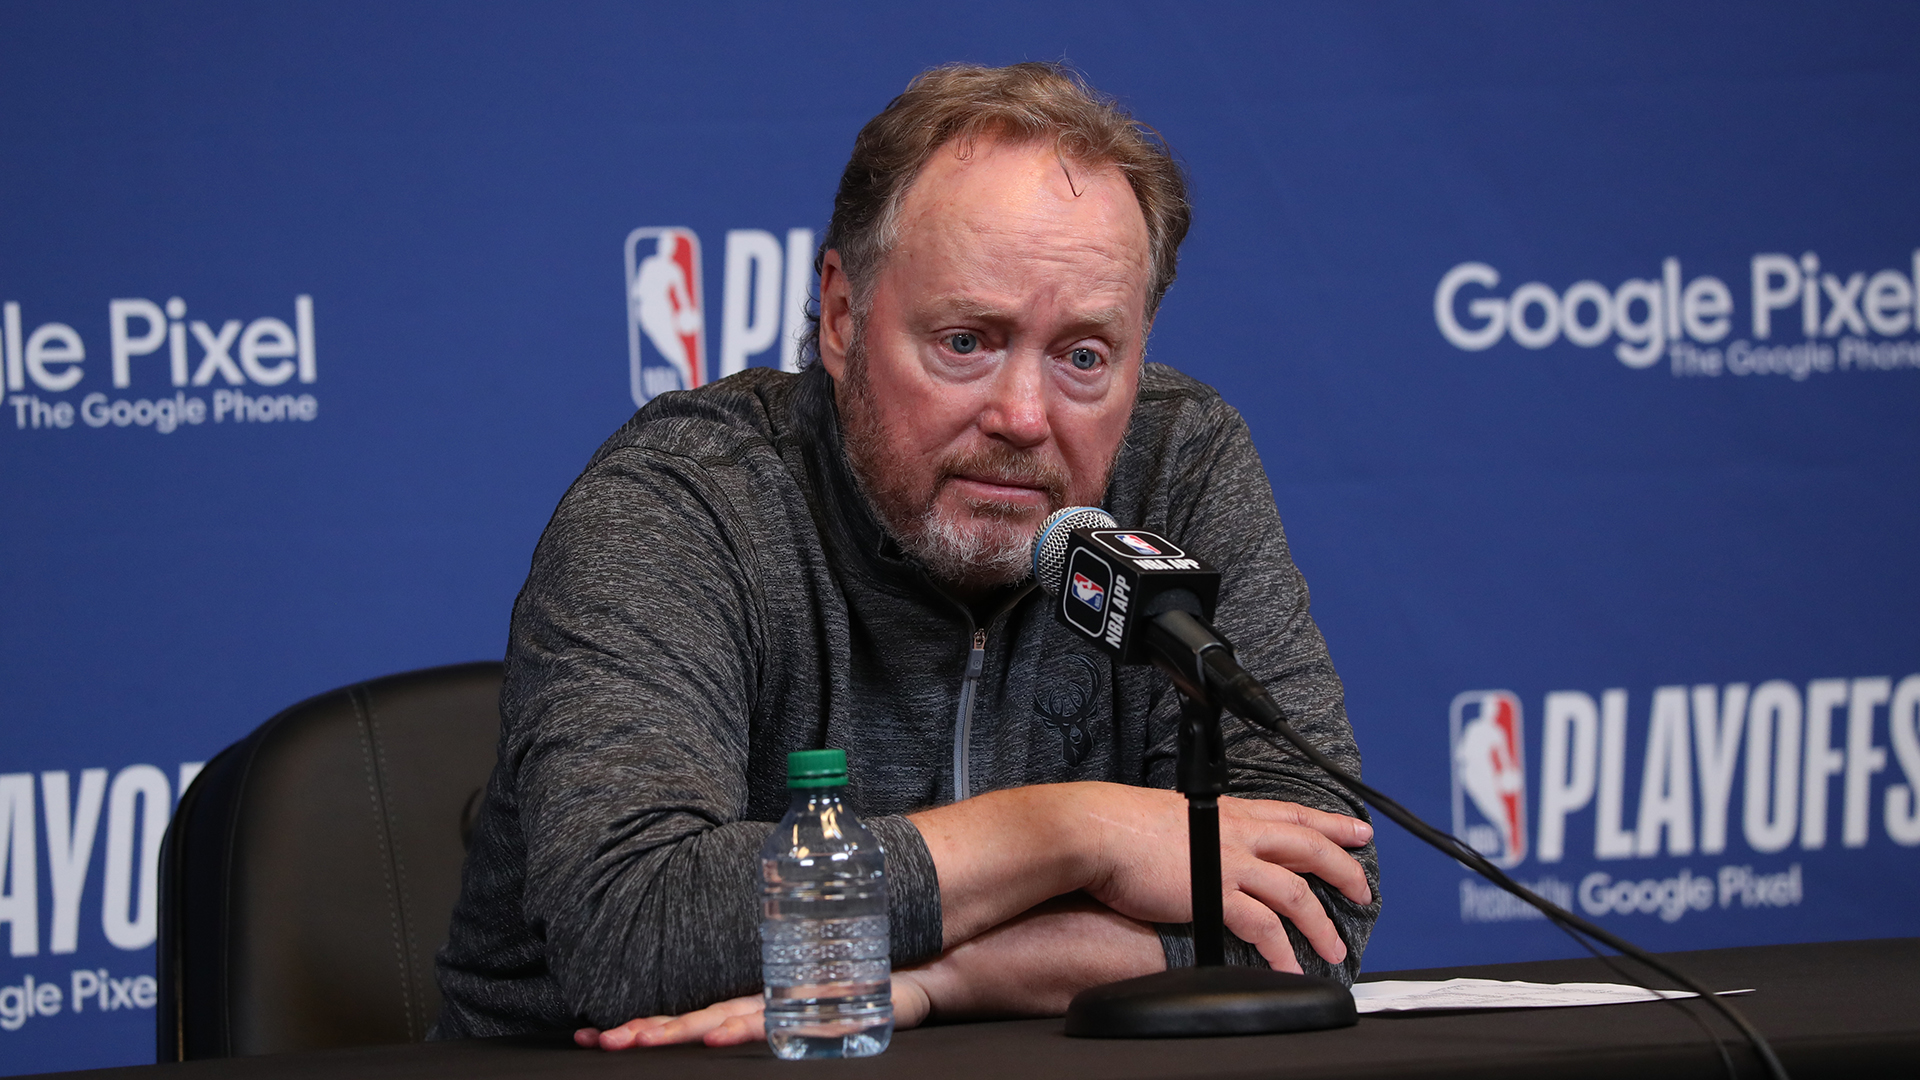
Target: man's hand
[
  {"x": 1266, "y": 849},
  {"x": 724, "y": 1023},
  {"x": 1001, "y": 853}
]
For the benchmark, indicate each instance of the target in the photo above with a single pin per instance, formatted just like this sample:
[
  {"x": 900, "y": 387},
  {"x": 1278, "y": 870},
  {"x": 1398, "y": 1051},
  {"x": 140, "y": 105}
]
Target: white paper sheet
[{"x": 1399, "y": 995}]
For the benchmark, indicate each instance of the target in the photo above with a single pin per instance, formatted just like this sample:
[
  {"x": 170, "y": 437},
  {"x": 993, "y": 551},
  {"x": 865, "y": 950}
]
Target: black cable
[
  {"x": 1478, "y": 863},
  {"x": 1719, "y": 1045}
]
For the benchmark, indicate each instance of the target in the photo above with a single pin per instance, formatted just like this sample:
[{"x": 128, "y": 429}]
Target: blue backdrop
[{"x": 1579, "y": 343}]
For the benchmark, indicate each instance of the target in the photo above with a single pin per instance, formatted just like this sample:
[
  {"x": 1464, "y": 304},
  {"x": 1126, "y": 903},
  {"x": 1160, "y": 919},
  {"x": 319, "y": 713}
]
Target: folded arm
[
  {"x": 1022, "y": 935},
  {"x": 1030, "y": 965},
  {"x": 1001, "y": 853}
]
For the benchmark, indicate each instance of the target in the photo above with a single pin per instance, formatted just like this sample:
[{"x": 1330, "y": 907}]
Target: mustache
[{"x": 1005, "y": 465}]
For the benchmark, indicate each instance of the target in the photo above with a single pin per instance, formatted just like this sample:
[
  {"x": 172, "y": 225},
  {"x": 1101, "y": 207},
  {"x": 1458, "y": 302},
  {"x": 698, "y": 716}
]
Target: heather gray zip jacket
[{"x": 714, "y": 592}]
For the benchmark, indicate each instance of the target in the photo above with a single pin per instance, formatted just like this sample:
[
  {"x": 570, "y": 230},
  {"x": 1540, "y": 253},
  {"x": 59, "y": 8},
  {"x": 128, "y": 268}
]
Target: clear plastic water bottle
[{"x": 824, "y": 941}]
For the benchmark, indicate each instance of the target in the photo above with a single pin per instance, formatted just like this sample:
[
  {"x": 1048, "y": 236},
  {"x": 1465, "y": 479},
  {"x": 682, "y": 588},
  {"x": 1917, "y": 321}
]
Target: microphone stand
[
  {"x": 1201, "y": 771},
  {"x": 1208, "y": 998}
]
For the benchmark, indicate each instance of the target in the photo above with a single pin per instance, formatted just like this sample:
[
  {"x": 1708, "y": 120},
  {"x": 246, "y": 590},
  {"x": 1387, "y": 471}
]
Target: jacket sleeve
[
  {"x": 631, "y": 679},
  {"x": 1223, "y": 511},
  {"x": 624, "y": 719}
]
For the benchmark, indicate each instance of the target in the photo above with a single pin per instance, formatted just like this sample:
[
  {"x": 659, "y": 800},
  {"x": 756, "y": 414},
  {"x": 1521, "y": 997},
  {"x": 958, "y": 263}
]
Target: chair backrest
[{"x": 311, "y": 869}]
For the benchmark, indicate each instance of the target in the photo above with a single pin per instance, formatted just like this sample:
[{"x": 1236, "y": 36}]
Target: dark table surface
[{"x": 1848, "y": 1008}]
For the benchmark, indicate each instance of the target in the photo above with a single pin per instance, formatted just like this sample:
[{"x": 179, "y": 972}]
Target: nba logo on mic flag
[
  {"x": 1489, "y": 775},
  {"x": 1088, "y": 591},
  {"x": 666, "y": 320}
]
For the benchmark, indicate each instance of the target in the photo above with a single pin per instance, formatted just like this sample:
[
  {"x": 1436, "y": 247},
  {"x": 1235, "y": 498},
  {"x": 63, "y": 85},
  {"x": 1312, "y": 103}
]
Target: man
[{"x": 839, "y": 558}]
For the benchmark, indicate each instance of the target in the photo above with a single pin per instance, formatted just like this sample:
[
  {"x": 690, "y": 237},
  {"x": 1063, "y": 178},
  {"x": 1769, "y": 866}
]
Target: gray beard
[
  {"x": 980, "y": 554},
  {"x": 989, "y": 547}
]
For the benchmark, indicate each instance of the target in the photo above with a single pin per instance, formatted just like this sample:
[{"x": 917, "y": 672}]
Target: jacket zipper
[
  {"x": 963, "y": 721},
  {"x": 969, "y": 686}
]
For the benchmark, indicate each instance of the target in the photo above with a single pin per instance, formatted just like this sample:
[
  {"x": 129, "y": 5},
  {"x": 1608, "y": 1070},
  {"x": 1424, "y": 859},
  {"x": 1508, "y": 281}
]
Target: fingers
[
  {"x": 1254, "y": 923},
  {"x": 1304, "y": 851},
  {"x": 744, "y": 1028},
  {"x": 1286, "y": 893},
  {"x": 621, "y": 1037},
  {"x": 1348, "y": 832},
  {"x": 1297, "y": 838},
  {"x": 912, "y": 999},
  {"x": 688, "y": 1027}
]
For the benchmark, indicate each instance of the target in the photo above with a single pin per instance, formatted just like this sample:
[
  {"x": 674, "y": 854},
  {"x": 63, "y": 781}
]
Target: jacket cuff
[{"x": 913, "y": 892}]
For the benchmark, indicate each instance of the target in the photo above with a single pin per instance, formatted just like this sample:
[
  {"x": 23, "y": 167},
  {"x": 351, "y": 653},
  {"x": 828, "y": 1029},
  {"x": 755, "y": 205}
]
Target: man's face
[{"x": 992, "y": 378}]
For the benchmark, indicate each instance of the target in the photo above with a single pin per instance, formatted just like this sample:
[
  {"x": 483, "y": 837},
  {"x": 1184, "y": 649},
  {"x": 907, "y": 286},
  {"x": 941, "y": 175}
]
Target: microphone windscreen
[{"x": 1050, "y": 543}]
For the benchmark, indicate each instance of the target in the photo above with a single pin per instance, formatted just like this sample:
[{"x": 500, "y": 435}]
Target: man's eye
[
  {"x": 1084, "y": 359},
  {"x": 962, "y": 342}
]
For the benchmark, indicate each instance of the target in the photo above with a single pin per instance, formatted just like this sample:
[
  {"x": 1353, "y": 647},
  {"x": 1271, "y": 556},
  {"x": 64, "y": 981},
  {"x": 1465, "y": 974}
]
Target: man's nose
[{"x": 1016, "y": 409}]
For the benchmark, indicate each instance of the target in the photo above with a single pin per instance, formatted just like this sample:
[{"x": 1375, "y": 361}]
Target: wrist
[
  {"x": 1087, "y": 819},
  {"x": 998, "y": 854},
  {"x": 1062, "y": 849},
  {"x": 1077, "y": 833}
]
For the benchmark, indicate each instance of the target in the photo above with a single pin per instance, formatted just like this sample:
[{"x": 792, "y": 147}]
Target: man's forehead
[
  {"x": 993, "y": 209},
  {"x": 994, "y": 185}
]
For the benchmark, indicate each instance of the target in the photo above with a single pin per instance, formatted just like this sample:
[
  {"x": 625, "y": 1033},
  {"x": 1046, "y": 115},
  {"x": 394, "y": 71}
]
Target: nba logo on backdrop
[
  {"x": 666, "y": 318},
  {"x": 764, "y": 291},
  {"x": 1489, "y": 775}
]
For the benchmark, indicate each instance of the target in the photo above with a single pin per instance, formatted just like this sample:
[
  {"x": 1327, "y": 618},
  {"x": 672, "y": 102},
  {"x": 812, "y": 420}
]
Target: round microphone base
[{"x": 1203, "y": 1001}]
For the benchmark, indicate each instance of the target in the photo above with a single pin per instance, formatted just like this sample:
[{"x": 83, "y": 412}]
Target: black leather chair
[{"x": 311, "y": 869}]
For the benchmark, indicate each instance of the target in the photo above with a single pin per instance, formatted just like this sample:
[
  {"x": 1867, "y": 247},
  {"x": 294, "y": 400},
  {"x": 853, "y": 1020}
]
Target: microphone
[{"x": 1142, "y": 599}]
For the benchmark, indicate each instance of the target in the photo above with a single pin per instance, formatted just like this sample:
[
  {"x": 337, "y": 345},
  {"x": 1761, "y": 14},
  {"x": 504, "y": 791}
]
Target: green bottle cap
[{"x": 816, "y": 768}]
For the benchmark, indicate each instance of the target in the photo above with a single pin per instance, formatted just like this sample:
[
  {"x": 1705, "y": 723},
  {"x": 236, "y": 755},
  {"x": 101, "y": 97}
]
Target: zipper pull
[{"x": 977, "y": 659}]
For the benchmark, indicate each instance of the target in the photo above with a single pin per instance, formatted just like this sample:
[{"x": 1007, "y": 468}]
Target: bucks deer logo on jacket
[{"x": 1068, "y": 702}]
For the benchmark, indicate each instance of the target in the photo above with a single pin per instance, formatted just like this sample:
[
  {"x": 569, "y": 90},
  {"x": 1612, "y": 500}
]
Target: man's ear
[{"x": 836, "y": 315}]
